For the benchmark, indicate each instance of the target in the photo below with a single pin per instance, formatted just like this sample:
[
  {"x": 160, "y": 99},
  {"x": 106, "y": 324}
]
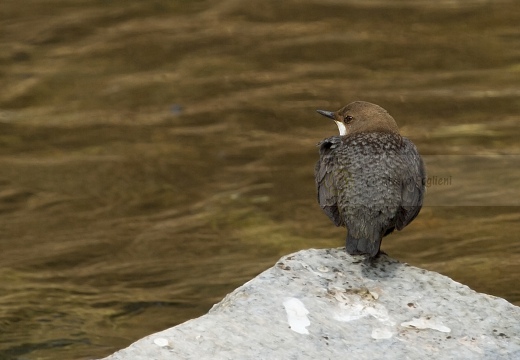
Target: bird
[{"x": 369, "y": 179}]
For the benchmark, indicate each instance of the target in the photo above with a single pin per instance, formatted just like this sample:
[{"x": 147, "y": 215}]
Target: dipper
[{"x": 369, "y": 179}]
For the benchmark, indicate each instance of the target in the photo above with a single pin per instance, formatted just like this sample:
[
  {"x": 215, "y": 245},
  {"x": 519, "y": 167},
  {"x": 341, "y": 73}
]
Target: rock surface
[{"x": 325, "y": 304}]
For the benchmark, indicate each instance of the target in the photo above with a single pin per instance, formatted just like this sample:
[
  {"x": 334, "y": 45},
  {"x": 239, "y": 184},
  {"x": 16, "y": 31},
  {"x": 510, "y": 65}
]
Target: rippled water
[{"x": 156, "y": 155}]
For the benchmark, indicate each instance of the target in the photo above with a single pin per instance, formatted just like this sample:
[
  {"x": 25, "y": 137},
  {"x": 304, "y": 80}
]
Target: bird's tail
[{"x": 363, "y": 245}]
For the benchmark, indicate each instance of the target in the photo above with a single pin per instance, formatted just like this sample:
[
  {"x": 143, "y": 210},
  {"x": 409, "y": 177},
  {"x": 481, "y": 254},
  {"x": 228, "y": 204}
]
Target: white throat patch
[{"x": 342, "y": 128}]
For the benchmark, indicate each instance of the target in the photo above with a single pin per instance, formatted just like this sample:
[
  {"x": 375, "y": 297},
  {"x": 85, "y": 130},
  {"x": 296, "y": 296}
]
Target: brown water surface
[{"x": 155, "y": 155}]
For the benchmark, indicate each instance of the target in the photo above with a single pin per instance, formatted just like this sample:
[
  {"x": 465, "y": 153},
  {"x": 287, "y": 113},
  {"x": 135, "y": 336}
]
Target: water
[{"x": 156, "y": 155}]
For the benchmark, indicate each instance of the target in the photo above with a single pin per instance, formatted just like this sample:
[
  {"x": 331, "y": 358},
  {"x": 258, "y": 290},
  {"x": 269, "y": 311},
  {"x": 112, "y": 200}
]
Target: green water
[{"x": 156, "y": 155}]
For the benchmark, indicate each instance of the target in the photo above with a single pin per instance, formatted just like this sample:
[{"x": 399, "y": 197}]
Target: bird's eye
[{"x": 348, "y": 119}]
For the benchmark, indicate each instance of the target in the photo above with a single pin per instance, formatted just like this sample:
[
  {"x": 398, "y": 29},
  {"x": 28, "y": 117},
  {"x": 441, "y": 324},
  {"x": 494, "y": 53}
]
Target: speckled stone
[{"x": 326, "y": 304}]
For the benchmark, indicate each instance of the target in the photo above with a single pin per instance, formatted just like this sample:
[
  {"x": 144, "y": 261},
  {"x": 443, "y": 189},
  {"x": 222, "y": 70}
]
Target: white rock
[
  {"x": 297, "y": 315},
  {"x": 357, "y": 310},
  {"x": 382, "y": 333},
  {"x": 162, "y": 342},
  {"x": 426, "y": 323}
]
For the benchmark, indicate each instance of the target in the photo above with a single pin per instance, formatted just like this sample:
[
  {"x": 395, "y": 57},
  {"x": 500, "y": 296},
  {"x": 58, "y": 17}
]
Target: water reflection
[{"x": 156, "y": 156}]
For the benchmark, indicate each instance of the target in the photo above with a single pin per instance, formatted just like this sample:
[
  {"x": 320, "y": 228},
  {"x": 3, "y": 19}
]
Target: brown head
[{"x": 362, "y": 117}]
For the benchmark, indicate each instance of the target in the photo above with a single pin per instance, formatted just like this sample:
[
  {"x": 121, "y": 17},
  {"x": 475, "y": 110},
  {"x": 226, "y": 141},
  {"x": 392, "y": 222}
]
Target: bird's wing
[
  {"x": 413, "y": 185},
  {"x": 324, "y": 176}
]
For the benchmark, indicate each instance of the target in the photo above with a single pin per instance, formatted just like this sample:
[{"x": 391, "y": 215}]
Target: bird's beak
[{"x": 328, "y": 114}]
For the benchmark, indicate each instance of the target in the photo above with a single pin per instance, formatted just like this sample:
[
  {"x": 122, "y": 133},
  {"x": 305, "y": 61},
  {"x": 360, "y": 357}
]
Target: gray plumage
[{"x": 369, "y": 179}]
